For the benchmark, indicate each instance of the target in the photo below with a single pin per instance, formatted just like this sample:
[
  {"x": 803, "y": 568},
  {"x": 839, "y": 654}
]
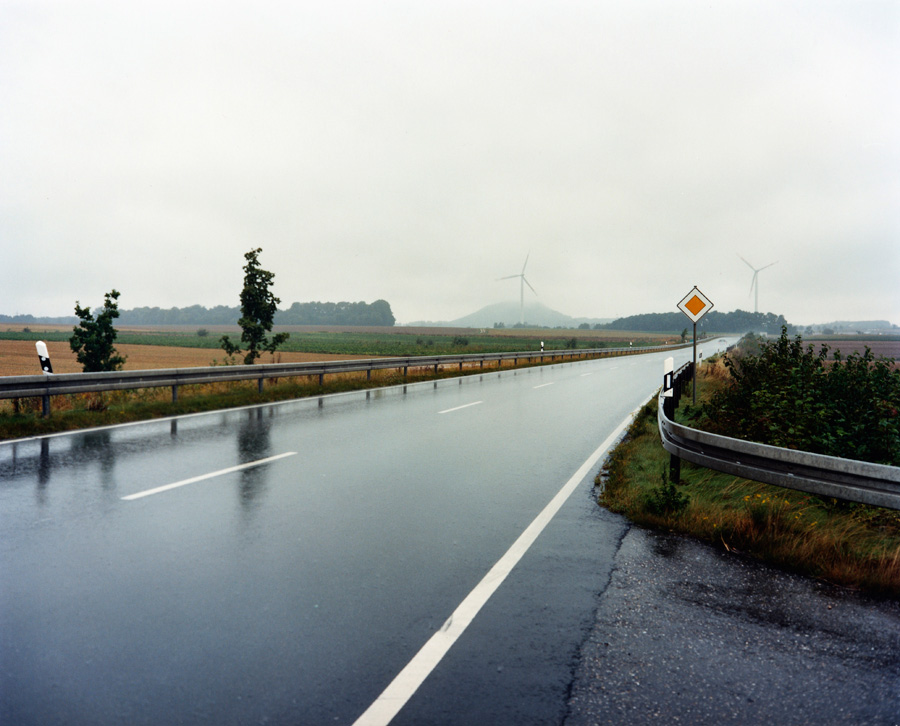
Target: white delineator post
[
  {"x": 44, "y": 356},
  {"x": 47, "y": 368}
]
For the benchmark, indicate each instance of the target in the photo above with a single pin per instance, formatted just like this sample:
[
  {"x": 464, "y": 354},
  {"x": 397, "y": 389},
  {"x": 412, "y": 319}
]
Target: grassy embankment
[
  {"x": 852, "y": 545},
  {"x": 150, "y": 349}
]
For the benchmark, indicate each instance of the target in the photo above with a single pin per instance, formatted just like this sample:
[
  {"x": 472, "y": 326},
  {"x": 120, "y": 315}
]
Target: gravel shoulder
[{"x": 686, "y": 633}]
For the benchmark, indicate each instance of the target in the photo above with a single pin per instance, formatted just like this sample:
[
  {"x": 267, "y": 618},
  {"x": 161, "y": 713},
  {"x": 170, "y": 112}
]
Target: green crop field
[{"x": 398, "y": 342}]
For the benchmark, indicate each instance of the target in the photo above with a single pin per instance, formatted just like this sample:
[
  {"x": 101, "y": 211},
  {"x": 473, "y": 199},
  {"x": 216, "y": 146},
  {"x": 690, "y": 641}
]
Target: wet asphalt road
[
  {"x": 293, "y": 591},
  {"x": 689, "y": 634}
]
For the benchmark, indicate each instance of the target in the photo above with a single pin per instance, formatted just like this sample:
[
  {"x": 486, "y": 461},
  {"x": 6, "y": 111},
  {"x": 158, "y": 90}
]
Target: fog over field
[{"x": 418, "y": 151}]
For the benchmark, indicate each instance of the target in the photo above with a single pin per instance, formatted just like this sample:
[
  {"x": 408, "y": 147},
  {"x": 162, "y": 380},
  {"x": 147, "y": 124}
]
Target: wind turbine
[
  {"x": 522, "y": 283},
  {"x": 754, "y": 283}
]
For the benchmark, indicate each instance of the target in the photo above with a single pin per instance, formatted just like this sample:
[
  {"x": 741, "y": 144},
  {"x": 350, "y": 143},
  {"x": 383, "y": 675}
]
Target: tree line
[
  {"x": 94, "y": 337},
  {"x": 360, "y": 314},
  {"x": 738, "y": 321},
  {"x": 377, "y": 313}
]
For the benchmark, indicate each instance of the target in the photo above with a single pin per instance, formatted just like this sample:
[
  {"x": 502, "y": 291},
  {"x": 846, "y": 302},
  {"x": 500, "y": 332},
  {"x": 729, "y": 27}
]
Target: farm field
[
  {"x": 19, "y": 358},
  {"x": 889, "y": 348},
  {"x": 173, "y": 347}
]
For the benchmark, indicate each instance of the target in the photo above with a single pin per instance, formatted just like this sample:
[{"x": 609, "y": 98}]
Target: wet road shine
[{"x": 283, "y": 564}]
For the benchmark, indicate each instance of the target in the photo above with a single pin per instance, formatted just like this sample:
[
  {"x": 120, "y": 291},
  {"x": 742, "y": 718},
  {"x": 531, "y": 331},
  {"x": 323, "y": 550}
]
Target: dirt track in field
[{"x": 19, "y": 357}]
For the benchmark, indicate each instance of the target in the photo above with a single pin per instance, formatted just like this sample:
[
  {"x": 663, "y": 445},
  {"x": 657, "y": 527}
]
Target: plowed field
[
  {"x": 19, "y": 357},
  {"x": 886, "y": 348}
]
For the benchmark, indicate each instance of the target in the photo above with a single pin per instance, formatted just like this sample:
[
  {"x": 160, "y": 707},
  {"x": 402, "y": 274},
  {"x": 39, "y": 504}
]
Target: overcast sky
[{"x": 417, "y": 151}]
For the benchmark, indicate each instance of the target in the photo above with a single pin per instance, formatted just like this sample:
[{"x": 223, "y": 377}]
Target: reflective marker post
[
  {"x": 47, "y": 367},
  {"x": 43, "y": 356}
]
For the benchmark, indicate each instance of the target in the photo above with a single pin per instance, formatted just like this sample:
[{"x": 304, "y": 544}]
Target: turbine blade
[
  {"x": 753, "y": 281},
  {"x": 748, "y": 264},
  {"x": 508, "y": 277},
  {"x": 767, "y": 266},
  {"x": 526, "y": 262},
  {"x": 529, "y": 284}
]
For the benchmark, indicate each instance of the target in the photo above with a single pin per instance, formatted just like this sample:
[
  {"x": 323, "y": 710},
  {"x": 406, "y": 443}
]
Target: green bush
[
  {"x": 790, "y": 396},
  {"x": 665, "y": 498}
]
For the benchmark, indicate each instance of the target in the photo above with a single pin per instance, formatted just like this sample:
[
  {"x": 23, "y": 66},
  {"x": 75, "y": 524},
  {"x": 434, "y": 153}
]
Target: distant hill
[{"x": 508, "y": 314}]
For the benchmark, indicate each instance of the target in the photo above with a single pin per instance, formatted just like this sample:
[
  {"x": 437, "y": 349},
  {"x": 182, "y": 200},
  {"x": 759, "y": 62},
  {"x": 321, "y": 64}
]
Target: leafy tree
[
  {"x": 258, "y": 306},
  {"x": 92, "y": 339}
]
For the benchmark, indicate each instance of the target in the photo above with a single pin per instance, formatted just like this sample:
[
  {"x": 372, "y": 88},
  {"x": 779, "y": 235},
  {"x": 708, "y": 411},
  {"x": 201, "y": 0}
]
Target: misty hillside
[{"x": 509, "y": 313}]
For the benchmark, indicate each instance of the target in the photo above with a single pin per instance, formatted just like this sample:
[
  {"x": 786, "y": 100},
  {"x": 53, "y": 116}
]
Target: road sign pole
[
  {"x": 695, "y": 364},
  {"x": 695, "y": 305}
]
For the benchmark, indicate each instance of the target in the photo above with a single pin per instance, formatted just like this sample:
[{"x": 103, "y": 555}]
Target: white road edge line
[
  {"x": 543, "y": 385},
  {"x": 192, "y": 480},
  {"x": 407, "y": 682},
  {"x": 458, "y": 408}
]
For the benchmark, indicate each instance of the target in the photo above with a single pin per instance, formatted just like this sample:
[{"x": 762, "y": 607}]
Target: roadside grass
[
  {"x": 852, "y": 545},
  {"x": 22, "y": 418}
]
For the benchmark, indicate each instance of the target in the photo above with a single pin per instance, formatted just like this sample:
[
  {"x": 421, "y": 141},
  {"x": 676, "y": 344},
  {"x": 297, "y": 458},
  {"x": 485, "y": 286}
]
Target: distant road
[{"x": 283, "y": 564}]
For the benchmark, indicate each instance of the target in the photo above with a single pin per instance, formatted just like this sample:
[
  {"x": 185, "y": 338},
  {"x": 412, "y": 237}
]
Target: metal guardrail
[
  {"x": 826, "y": 476},
  {"x": 47, "y": 385}
]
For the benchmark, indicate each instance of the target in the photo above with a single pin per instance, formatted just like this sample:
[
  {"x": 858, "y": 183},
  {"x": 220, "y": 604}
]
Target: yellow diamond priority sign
[{"x": 695, "y": 305}]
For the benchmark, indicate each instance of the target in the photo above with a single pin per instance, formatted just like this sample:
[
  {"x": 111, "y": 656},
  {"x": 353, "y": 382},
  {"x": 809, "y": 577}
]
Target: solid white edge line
[
  {"x": 407, "y": 682},
  {"x": 458, "y": 408},
  {"x": 193, "y": 480}
]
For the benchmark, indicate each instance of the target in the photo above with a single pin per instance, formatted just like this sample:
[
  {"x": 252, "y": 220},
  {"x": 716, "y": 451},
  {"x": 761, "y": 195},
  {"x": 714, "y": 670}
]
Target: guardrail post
[
  {"x": 674, "y": 469},
  {"x": 260, "y": 385},
  {"x": 45, "y": 405},
  {"x": 674, "y": 461},
  {"x": 174, "y": 393}
]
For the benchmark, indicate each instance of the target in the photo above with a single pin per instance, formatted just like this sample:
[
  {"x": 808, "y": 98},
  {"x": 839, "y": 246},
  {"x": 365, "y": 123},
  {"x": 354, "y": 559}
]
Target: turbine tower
[
  {"x": 754, "y": 283},
  {"x": 522, "y": 283}
]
